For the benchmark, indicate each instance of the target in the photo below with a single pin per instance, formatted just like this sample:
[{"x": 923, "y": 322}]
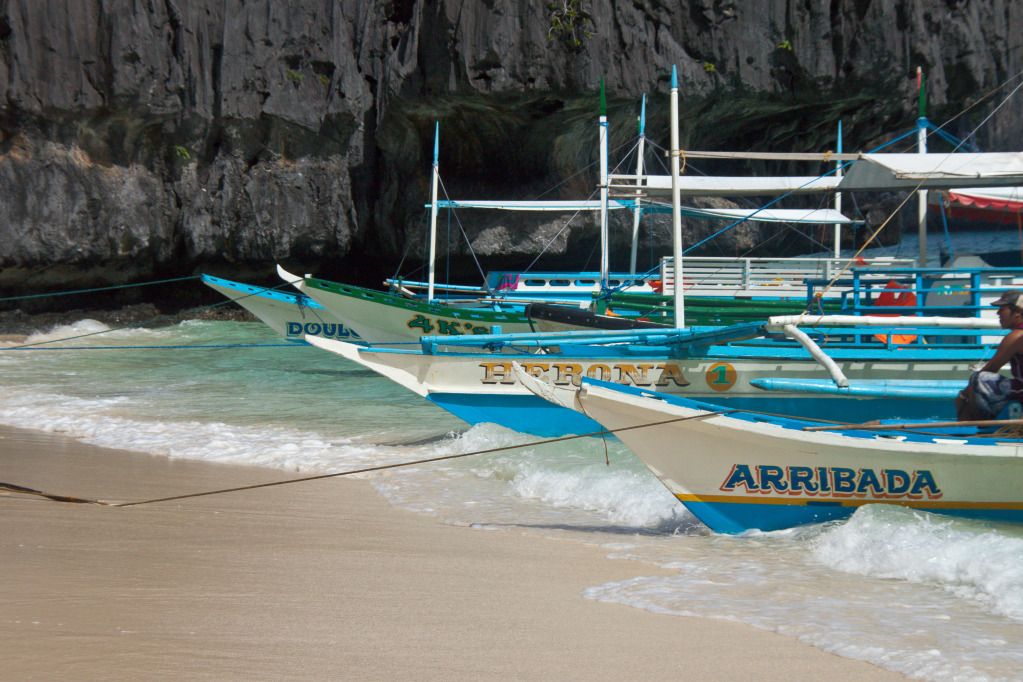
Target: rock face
[{"x": 159, "y": 137}]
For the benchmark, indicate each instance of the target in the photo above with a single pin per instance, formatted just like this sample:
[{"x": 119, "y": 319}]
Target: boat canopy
[
  {"x": 870, "y": 172},
  {"x": 1008, "y": 199},
  {"x": 726, "y": 185},
  {"x": 815, "y": 216},
  {"x": 875, "y": 172}
]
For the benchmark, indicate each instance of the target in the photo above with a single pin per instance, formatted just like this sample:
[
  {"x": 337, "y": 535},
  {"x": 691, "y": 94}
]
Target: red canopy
[{"x": 1007, "y": 202}]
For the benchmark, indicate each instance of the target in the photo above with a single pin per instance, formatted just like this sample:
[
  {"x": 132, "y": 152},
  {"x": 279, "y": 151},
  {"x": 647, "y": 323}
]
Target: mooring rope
[
  {"x": 72, "y": 292},
  {"x": 35, "y": 345},
  {"x": 305, "y": 479},
  {"x": 160, "y": 347}
]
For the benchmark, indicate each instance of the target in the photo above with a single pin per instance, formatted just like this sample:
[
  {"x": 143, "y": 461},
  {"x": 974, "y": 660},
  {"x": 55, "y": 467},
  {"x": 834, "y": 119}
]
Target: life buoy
[{"x": 895, "y": 295}]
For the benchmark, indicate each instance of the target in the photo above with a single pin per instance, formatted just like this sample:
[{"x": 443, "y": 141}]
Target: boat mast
[
  {"x": 433, "y": 211},
  {"x": 605, "y": 266},
  {"x": 676, "y": 205},
  {"x": 838, "y": 196},
  {"x": 921, "y": 147},
  {"x": 638, "y": 211}
]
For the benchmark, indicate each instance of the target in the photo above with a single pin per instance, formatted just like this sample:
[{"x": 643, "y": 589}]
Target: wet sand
[{"x": 320, "y": 581}]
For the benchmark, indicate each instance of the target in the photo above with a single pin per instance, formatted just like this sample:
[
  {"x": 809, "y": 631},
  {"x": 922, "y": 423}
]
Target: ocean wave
[{"x": 971, "y": 560}]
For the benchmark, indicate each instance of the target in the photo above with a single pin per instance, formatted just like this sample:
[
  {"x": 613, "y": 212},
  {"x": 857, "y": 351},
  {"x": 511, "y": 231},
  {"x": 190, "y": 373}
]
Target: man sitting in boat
[{"x": 988, "y": 391}]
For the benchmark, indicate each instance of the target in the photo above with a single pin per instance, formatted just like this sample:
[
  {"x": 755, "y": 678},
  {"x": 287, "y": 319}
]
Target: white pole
[
  {"x": 819, "y": 355},
  {"x": 838, "y": 197},
  {"x": 676, "y": 205},
  {"x": 605, "y": 266},
  {"x": 433, "y": 211},
  {"x": 638, "y": 211},
  {"x": 778, "y": 322},
  {"x": 921, "y": 147}
]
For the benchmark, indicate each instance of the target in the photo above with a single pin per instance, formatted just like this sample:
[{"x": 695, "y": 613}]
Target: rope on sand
[{"x": 111, "y": 503}]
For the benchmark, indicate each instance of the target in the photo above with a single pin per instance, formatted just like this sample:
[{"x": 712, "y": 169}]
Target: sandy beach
[{"x": 322, "y": 581}]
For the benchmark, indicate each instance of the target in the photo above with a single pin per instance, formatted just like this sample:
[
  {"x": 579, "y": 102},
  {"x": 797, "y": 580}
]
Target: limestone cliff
[{"x": 153, "y": 137}]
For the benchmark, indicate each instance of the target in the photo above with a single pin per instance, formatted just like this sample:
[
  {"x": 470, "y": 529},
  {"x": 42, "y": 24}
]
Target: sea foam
[{"x": 971, "y": 560}]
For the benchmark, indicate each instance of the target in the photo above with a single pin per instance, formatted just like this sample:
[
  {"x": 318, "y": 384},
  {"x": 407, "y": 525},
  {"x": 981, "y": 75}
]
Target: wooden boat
[
  {"x": 385, "y": 318},
  {"x": 472, "y": 377},
  {"x": 292, "y": 316},
  {"x": 739, "y": 470}
]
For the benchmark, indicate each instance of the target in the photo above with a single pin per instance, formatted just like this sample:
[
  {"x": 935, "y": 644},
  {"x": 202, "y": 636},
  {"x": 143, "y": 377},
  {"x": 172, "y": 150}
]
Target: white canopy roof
[
  {"x": 871, "y": 172},
  {"x": 933, "y": 171},
  {"x": 817, "y": 216},
  {"x": 727, "y": 186},
  {"x": 814, "y": 216}
]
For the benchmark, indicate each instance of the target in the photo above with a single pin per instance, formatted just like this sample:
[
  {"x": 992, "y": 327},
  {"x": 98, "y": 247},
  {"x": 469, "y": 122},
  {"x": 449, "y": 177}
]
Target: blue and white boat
[
  {"x": 289, "y": 314},
  {"x": 473, "y": 377},
  {"x": 739, "y": 470}
]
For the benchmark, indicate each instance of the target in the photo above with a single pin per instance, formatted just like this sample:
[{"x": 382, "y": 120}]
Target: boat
[
  {"x": 472, "y": 377},
  {"x": 292, "y": 316},
  {"x": 740, "y": 470},
  {"x": 388, "y": 319}
]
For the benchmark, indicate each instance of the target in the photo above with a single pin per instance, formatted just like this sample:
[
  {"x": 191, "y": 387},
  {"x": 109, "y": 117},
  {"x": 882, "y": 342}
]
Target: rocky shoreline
[
  {"x": 17, "y": 323},
  {"x": 160, "y": 139}
]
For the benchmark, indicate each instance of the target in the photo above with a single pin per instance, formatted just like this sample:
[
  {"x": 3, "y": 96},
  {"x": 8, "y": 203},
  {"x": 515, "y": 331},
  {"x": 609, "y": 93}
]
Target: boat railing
[
  {"x": 765, "y": 276},
  {"x": 800, "y": 327},
  {"x": 538, "y": 284},
  {"x": 759, "y": 276},
  {"x": 959, "y": 292}
]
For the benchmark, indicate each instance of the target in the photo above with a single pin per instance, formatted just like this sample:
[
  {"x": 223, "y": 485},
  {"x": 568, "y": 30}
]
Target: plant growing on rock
[{"x": 570, "y": 23}]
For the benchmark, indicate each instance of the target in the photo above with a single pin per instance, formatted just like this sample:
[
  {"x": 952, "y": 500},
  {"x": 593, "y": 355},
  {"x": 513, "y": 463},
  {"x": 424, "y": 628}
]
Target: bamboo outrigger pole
[{"x": 875, "y": 426}]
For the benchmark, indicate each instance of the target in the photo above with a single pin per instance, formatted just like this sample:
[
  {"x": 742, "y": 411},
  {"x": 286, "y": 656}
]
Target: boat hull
[
  {"x": 292, "y": 316},
  {"x": 739, "y": 474},
  {"x": 535, "y": 416},
  {"x": 388, "y": 319},
  {"x": 484, "y": 388}
]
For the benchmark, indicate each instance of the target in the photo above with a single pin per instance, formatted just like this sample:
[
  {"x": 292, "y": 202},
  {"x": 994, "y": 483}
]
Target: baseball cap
[{"x": 1010, "y": 297}]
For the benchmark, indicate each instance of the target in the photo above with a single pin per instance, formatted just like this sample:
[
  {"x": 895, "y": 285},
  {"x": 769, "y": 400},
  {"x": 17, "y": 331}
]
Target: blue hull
[
  {"x": 525, "y": 413},
  {"x": 737, "y": 517},
  {"x": 533, "y": 415}
]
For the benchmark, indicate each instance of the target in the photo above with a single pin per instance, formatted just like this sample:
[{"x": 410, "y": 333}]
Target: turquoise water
[{"x": 930, "y": 597}]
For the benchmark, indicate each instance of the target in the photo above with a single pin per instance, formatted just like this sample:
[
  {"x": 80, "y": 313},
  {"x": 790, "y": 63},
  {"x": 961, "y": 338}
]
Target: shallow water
[{"x": 927, "y": 596}]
